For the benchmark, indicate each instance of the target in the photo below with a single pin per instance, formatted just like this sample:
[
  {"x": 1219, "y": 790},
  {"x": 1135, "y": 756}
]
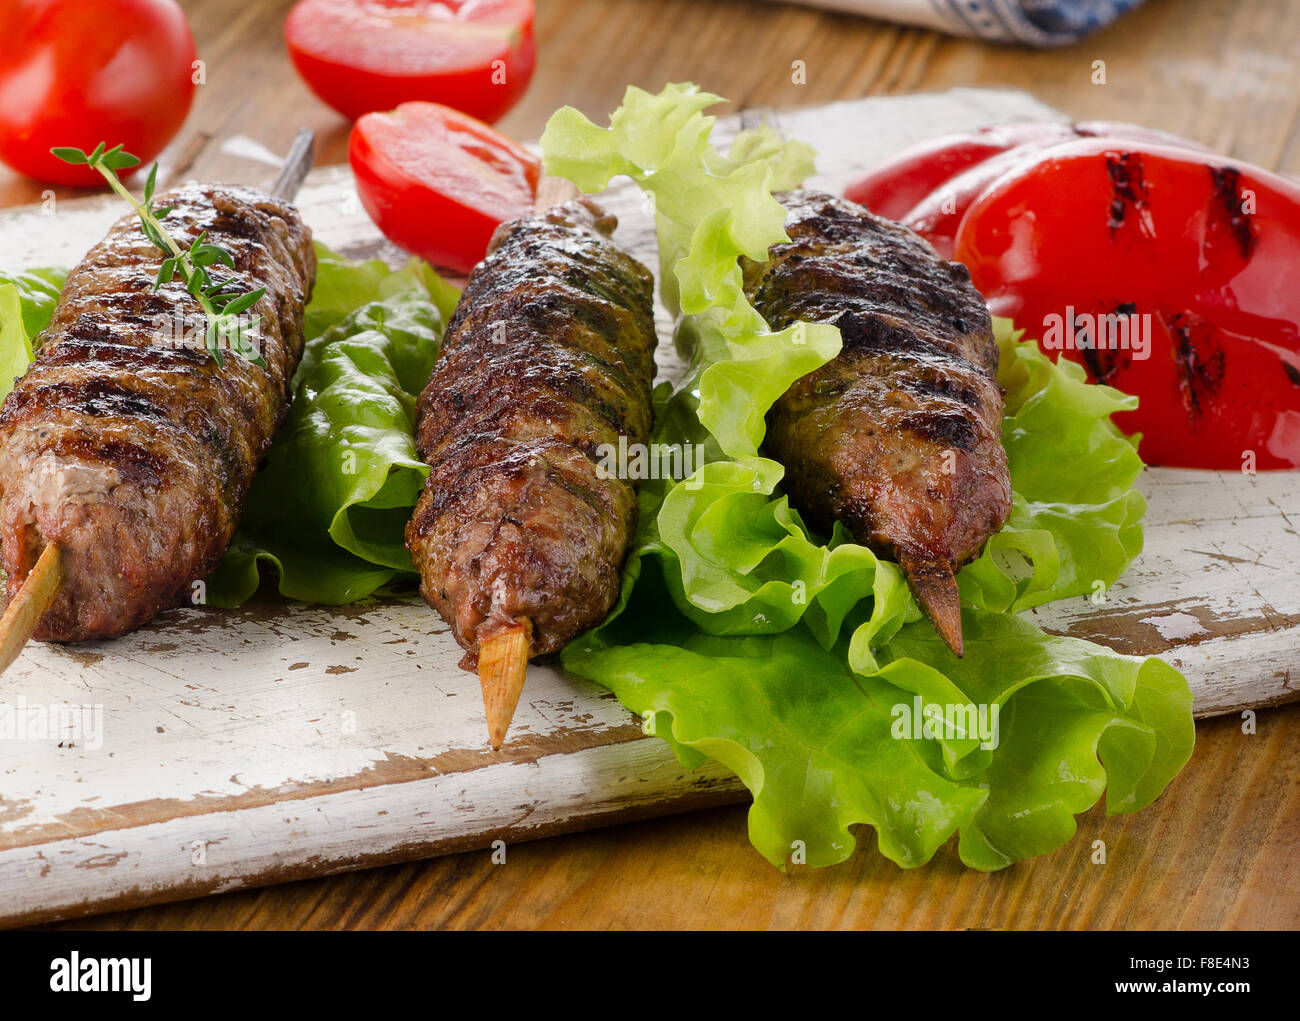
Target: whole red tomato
[
  {"x": 81, "y": 72},
  {"x": 361, "y": 56}
]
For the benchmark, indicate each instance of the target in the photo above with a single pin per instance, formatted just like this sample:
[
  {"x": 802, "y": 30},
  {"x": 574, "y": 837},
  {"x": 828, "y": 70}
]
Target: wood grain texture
[
  {"x": 1220, "y": 850},
  {"x": 1217, "y": 850}
]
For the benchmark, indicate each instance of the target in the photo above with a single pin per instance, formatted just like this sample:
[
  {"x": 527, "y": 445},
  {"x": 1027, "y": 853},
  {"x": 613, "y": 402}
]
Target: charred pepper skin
[
  {"x": 549, "y": 356},
  {"x": 125, "y": 442},
  {"x": 899, "y": 436}
]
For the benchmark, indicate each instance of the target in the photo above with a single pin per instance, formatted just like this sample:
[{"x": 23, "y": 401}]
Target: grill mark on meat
[
  {"x": 132, "y": 462},
  {"x": 549, "y": 355},
  {"x": 950, "y": 429},
  {"x": 873, "y": 333},
  {"x": 936, "y": 385},
  {"x": 96, "y": 397},
  {"x": 563, "y": 375},
  {"x": 109, "y": 396},
  {"x": 899, "y": 436},
  {"x": 106, "y": 352}
]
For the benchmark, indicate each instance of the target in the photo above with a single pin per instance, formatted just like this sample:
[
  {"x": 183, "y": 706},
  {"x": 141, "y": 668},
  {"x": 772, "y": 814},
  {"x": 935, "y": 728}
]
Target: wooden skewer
[
  {"x": 502, "y": 666},
  {"x": 27, "y": 607},
  {"x": 935, "y": 586},
  {"x": 503, "y": 656},
  {"x": 554, "y": 191}
]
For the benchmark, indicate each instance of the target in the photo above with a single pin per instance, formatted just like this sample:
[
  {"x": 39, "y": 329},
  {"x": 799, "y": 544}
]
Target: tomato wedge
[
  {"x": 358, "y": 56},
  {"x": 438, "y": 182}
]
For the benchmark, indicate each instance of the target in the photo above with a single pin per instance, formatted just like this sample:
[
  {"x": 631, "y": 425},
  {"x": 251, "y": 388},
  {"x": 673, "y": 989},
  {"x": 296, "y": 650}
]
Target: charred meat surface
[
  {"x": 549, "y": 355},
  {"x": 125, "y": 442},
  {"x": 899, "y": 436}
]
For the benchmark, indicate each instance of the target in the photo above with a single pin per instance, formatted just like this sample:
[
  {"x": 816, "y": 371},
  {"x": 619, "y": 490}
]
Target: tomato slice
[
  {"x": 438, "y": 182},
  {"x": 1194, "y": 252},
  {"x": 76, "y": 74},
  {"x": 358, "y": 56}
]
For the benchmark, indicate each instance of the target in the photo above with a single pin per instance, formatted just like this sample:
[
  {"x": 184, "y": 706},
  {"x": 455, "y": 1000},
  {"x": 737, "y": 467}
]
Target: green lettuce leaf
[
  {"x": 343, "y": 285},
  {"x": 744, "y": 636},
  {"x": 328, "y": 510},
  {"x": 1076, "y": 520},
  {"x": 27, "y": 301},
  {"x": 818, "y": 743}
]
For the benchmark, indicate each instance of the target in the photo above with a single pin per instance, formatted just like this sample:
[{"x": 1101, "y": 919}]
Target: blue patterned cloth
[
  {"x": 1034, "y": 22},
  {"x": 1028, "y": 22}
]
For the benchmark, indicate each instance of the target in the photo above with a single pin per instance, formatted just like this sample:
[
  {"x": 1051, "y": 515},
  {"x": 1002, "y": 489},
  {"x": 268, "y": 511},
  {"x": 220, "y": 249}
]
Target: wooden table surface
[{"x": 1221, "y": 849}]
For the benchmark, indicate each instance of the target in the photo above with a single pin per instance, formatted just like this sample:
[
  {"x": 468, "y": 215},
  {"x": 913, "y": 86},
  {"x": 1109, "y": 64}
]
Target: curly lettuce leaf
[
  {"x": 1076, "y": 520},
  {"x": 662, "y": 142},
  {"x": 744, "y": 636},
  {"x": 818, "y": 743}
]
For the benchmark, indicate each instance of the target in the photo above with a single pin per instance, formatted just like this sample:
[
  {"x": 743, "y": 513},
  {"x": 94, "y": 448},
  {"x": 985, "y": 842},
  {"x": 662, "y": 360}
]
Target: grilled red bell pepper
[{"x": 1192, "y": 257}]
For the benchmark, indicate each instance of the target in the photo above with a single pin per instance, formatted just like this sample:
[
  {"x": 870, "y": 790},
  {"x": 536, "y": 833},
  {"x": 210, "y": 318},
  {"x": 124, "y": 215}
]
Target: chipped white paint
[
  {"x": 1173, "y": 626},
  {"x": 212, "y": 704},
  {"x": 1215, "y": 592},
  {"x": 280, "y": 741}
]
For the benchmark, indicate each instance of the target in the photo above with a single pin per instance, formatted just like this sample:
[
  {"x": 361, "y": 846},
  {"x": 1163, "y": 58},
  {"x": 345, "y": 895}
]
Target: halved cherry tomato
[
  {"x": 1195, "y": 252},
  {"x": 438, "y": 182},
  {"x": 364, "y": 55},
  {"x": 74, "y": 73}
]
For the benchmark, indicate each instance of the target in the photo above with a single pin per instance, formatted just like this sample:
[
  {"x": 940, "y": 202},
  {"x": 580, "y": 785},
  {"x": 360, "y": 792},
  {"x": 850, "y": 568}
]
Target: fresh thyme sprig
[{"x": 221, "y": 302}]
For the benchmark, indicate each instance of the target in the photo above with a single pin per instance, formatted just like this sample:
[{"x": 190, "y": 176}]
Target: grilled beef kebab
[
  {"x": 899, "y": 436},
  {"x": 127, "y": 452},
  {"x": 519, "y": 535}
]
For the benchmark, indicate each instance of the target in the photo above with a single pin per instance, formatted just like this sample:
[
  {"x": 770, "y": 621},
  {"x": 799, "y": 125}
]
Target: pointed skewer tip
[
  {"x": 297, "y": 164},
  {"x": 502, "y": 666},
  {"x": 934, "y": 583}
]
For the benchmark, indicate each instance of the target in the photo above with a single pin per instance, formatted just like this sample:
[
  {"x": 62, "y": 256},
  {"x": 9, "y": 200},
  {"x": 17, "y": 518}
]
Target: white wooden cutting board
[{"x": 281, "y": 741}]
